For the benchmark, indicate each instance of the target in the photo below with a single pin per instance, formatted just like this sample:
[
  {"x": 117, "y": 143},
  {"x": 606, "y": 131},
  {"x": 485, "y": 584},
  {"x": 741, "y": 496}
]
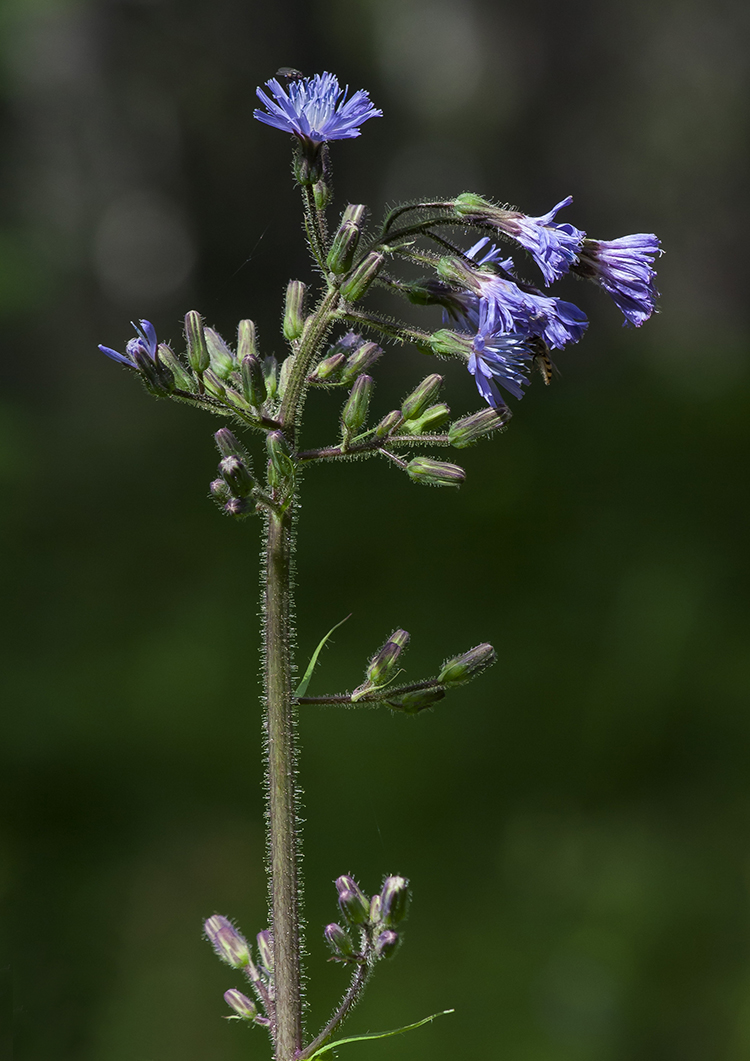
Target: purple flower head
[
  {"x": 316, "y": 109},
  {"x": 554, "y": 247},
  {"x": 624, "y": 268},
  {"x": 138, "y": 349},
  {"x": 498, "y": 357}
]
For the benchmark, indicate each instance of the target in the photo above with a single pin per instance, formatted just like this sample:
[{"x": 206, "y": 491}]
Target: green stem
[
  {"x": 316, "y": 329},
  {"x": 282, "y": 787}
]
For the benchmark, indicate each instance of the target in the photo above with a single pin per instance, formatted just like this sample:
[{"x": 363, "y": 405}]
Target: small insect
[
  {"x": 543, "y": 362},
  {"x": 289, "y": 73}
]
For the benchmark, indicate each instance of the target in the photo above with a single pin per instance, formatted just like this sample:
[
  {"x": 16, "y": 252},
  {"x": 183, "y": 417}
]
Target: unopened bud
[
  {"x": 341, "y": 254},
  {"x": 229, "y": 944},
  {"x": 237, "y": 506},
  {"x": 470, "y": 429},
  {"x": 352, "y": 900},
  {"x": 247, "y": 341},
  {"x": 229, "y": 445},
  {"x": 294, "y": 313},
  {"x": 416, "y": 403},
  {"x": 328, "y": 370},
  {"x": 463, "y": 668},
  {"x": 360, "y": 361},
  {"x": 213, "y": 384},
  {"x": 389, "y": 423},
  {"x": 197, "y": 350},
  {"x": 339, "y": 941},
  {"x": 450, "y": 344},
  {"x": 413, "y": 703},
  {"x": 394, "y": 900},
  {"x": 220, "y": 491},
  {"x": 265, "y": 949},
  {"x": 468, "y": 204},
  {"x": 354, "y": 413},
  {"x": 430, "y": 472},
  {"x": 433, "y": 417},
  {"x": 375, "y": 909},
  {"x": 321, "y": 194},
  {"x": 383, "y": 663},
  {"x": 356, "y": 286},
  {"x": 236, "y": 475},
  {"x": 458, "y": 273},
  {"x": 281, "y": 469},
  {"x": 284, "y": 373},
  {"x": 170, "y": 361},
  {"x": 270, "y": 375},
  {"x": 253, "y": 383},
  {"x": 241, "y": 1004},
  {"x": 386, "y": 944},
  {"x": 354, "y": 212},
  {"x": 222, "y": 358}
]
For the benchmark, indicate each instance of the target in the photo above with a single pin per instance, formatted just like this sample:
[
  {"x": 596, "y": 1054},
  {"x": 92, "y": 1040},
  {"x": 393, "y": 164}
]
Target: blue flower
[
  {"x": 498, "y": 357},
  {"x": 143, "y": 347},
  {"x": 554, "y": 247},
  {"x": 316, "y": 109},
  {"x": 624, "y": 268}
]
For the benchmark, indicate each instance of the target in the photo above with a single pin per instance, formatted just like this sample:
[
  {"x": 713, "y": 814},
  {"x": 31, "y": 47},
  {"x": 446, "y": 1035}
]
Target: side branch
[
  {"x": 378, "y": 697},
  {"x": 350, "y": 999}
]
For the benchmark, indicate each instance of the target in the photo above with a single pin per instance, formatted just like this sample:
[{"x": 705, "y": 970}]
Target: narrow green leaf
[
  {"x": 302, "y": 687},
  {"x": 377, "y": 1035}
]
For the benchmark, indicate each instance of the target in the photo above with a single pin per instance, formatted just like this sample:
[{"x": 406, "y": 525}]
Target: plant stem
[{"x": 282, "y": 787}]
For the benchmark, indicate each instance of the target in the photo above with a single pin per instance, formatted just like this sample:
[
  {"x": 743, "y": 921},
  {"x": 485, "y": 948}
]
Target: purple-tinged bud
[
  {"x": 247, "y": 340},
  {"x": 281, "y": 469},
  {"x": 383, "y": 663},
  {"x": 285, "y": 372},
  {"x": 236, "y": 475},
  {"x": 229, "y": 445},
  {"x": 328, "y": 370},
  {"x": 220, "y": 491},
  {"x": 340, "y": 942},
  {"x": 172, "y": 364},
  {"x": 433, "y": 417},
  {"x": 321, "y": 194},
  {"x": 450, "y": 344},
  {"x": 354, "y": 212},
  {"x": 341, "y": 254},
  {"x": 415, "y": 404},
  {"x": 394, "y": 900},
  {"x": 241, "y": 1004},
  {"x": 413, "y": 703},
  {"x": 265, "y": 949},
  {"x": 229, "y": 944},
  {"x": 356, "y": 286},
  {"x": 237, "y": 506},
  {"x": 389, "y": 423},
  {"x": 253, "y": 383},
  {"x": 386, "y": 944},
  {"x": 463, "y": 668},
  {"x": 430, "y": 472},
  {"x": 222, "y": 358},
  {"x": 352, "y": 900},
  {"x": 213, "y": 384},
  {"x": 197, "y": 350},
  {"x": 354, "y": 413},
  {"x": 294, "y": 310},
  {"x": 270, "y": 375},
  {"x": 375, "y": 909},
  {"x": 470, "y": 429},
  {"x": 360, "y": 361}
]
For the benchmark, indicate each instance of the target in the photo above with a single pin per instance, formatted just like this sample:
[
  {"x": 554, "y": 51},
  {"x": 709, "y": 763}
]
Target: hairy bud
[
  {"x": 197, "y": 350},
  {"x": 229, "y": 445},
  {"x": 229, "y": 944},
  {"x": 340, "y": 942},
  {"x": 341, "y": 254},
  {"x": 253, "y": 383},
  {"x": 354, "y": 413},
  {"x": 394, "y": 900},
  {"x": 352, "y": 900},
  {"x": 430, "y": 472},
  {"x": 470, "y": 429},
  {"x": 463, "y": 668},
  {"x": 172, "y": 364},
  {"x": 356, "y": 286},
  {"x": 433, "y": 417},
  {"x": 386, "y": 944},
  {"x": 270, "y": 375},
  {"x": 389, "y": 423},
  {"x": 413, "y": 703},
  {"x": 236, "y": 475},
  {"x": 265, "y": 949},
  {"x": 328, "y": 370},
  {"x": 241, "y": 1004},
  {"x": 247, "y": 340},
  {"x": 450, "y": 344},
  {"x": 416, "y": 403},
  {"x": 294, "y": 314},
  {"x": 222, "y": 358},
  {"x": 383, "y": 663},
  {"x": 360, "y": 361},
  {"x": 281, "y": 470}
]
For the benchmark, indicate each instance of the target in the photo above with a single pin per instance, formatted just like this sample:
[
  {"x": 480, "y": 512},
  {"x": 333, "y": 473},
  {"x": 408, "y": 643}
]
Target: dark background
[{"x": 575, "y": 824}]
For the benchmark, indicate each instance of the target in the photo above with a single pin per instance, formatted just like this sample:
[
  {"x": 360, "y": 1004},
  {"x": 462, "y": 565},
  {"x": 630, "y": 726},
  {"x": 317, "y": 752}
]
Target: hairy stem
[
  {"x": 282, "y": 787},
  {"x": 350, "y": 999}
]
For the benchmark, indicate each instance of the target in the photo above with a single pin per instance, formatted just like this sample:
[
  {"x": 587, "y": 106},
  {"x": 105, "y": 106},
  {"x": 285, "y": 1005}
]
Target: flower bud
[
  {"x": 229, "y": 445},
  {"x": 284, "y": 373},
  {"x": 246, "y": 340},
  {"x": 294, "y": 314},
  {"x": 341, "y": 254},
  {"x": 339, "y": 941},
  {"x": 253, "y": 383},
  {"x": 321, "y": 194},
  {"x": 430, "y": 472},
  {"x": 468, "y": 204},
  {"x": 458, "y": 273},
  {"x": 265, "y": 949},
  {"x": 171, "y": 362},
  {"x": 281, "y": 469},
  {"x": 222, "y": 358},
  {"x": 229, "y": 944},
  {"x": 237, "y": 506},
  {"x": 357, "y": 284},
  {"x": 433, "y": 417},
  {"x": 241, "y": 1004},
  {"x": 270, "y": 375},
  {"x": 415, "y": 404},
  {"x": 386, "y": 944},
  {"x": 354, "y": 212},
  {"x": 450, "y": 344},
  {"x": 328, "y": 370},
  {"x": 213, "y": 384},
  {"x": 375, "y": 909},
  {"x": 220, "y": 491},
  {"x": 383, "y": 663},
  {"x": 388, "y": 424},
  {"x": 352, "y": 900},
  {"x": 394, "y": 900},
  {"x": 354, "y": 413},
  {"x": 237, "y": 476},
  {"x": 413, "y": 703},
  {"x": 470, "y": 429},
  {"x": 463, "y": 668},
  {"x": 358, "y": 362},
  {"x": 197, "y": 350}
]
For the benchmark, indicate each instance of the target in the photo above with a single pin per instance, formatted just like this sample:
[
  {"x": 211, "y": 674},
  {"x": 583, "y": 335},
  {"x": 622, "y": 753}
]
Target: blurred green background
[{"x": 575, "y": 824}]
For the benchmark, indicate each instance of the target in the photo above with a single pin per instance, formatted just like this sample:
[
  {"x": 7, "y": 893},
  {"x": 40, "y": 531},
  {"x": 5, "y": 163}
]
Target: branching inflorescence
[{"x": 500, "y": 327}]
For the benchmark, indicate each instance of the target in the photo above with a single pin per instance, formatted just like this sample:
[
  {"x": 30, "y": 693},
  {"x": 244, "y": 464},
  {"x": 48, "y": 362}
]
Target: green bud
[
  {"x": 247, "y": 342},
  {"x": 220, "y": 491},
  {"x": 253, "y": 383},
  {"x": 213, "y": 384},
  {"x": 241, "y": 1004},
  {"x": 340, "y": 942},
  {"x": 294, "y": 310},
  {"x": 358, "y": 362},
  {"x": 179, "y": 374},
  {"x": 222, "y": 358},
  {"x": 236, "y": 475},
  {"x": 458, "y": 273},
  {"x": 430, "y": 472},
  {"x": 463, "y": 668},
  {"x": 229, "y": 944},
  {"x": 341, "y": 254},
  {"x": 431, "y": 418},
  {"x": 450, "y": 344},
  {"x": 354, "y": 212},
  {"x": 375, "y": 909},
  {"x": 412, "y": 703},
  {"x": 264, "y": 940},
  {"x": 354, "y": 413},
  {"x": 394, "y": 900},
  {"x": 381, "y": 667},
  {"x": 328, "y": 370},
  {"x": 353, "y": 902},
  {"x": 197, "y": 350},
  {"x": 229, "y": 445},
  {"x": 271, "y": 375},
  {"x": 321, "y": 194},
  {"x": 357, "y": 284},
  {"x": 281, "y": 466},
  {"x": 388, "y": 424},
  {"x": 386, "y": 944},
  {"x": 286, "y": 370},
  {"x": 470, "y": 205},
  {"x": 470, "y": 429},
  {"x": 421, "y": 396}
]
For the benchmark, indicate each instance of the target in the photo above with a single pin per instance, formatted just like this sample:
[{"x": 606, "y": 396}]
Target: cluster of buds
[
  {"x": 233, "y": 949},
  {"x": 345, "y": 361},
  {"x": 375, "y": 918},
  {"x": 236, "y": 488}
]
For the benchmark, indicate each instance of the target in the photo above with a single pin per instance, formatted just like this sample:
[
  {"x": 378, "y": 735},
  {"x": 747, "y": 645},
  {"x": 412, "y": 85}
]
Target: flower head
[
  {"x": 624, "y": 268},
  {"x": 553, "y": 247},
  {"x": 498, "y": 357},
  {"x": 143, "y": 347},
  {"x": 316, "y": 109}
]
